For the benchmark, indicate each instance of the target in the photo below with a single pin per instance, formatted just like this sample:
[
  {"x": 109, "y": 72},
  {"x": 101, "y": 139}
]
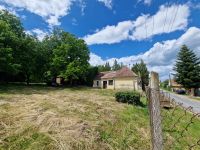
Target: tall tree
[
  {"x": 141, "y": 70},
  {"x": 28, "y": 57},
  {"x": 6, "y": 56},
  {"x": 9, "y": 43},
  {"x": 187, "y": 69},
  {"x": 70, "y": 58},
  {"x": 106, "y": 67},
  {"x": 13, "y": 21},
  {"x": 116, "y": 66}
]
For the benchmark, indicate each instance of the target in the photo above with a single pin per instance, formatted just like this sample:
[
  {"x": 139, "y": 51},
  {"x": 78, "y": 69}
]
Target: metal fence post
[{"x": 155, "y": 113}]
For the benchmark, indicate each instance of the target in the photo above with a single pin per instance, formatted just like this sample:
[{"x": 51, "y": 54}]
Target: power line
[
  {"x": 166, "y": 16},
  {"x": 173, "y": 19},
  {"x": 145, "y": 22},
  {"x": 153, "y": 22},
  {"x": 146, "y": 27}
]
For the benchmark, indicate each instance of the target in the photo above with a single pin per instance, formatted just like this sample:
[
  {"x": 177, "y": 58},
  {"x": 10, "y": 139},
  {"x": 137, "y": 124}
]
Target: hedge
[{"x": 128, "y": 97}]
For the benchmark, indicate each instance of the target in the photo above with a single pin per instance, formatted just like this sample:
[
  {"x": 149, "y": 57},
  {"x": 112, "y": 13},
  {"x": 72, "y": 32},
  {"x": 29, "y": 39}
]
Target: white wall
[{"x": 95, "y": 83}]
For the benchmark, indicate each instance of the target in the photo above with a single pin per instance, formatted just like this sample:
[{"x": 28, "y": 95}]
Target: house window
[
  {"x": 97, "y": 83},
  {"x": 110, "y": 82}
]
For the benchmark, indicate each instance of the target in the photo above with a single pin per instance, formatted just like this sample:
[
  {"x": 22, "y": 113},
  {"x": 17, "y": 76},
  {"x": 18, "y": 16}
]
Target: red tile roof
[
  {"x": 111, "y": 74},
  {"x": 124, "y": 72}
]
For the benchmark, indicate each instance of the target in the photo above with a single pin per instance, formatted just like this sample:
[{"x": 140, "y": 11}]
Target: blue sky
[{"x": 128, "y": 30}]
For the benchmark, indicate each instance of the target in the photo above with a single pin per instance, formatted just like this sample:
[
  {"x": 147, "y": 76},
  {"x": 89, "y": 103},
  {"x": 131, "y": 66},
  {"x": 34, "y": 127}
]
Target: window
[
  {"x": 97, "y": 83},
  {"x": 110, "y": 82}
]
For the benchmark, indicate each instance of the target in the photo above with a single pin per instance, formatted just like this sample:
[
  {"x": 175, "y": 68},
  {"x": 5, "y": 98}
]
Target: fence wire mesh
[{"x": 180, "y": 125}]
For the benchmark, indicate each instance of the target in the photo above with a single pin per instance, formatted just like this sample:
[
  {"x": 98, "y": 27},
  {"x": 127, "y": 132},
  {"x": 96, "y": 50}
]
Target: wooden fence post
[{"x": 155, "y": 113}]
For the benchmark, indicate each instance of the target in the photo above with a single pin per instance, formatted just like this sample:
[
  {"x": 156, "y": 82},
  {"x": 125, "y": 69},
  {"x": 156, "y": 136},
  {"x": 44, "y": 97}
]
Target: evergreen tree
[
  {"x": 121, "y": 65},
  {"x": 141, "y": 70},
  {"x": 187, "y": 68},
  {"x": 116, "y": 66},
  {"x": 107, "y": 66}
]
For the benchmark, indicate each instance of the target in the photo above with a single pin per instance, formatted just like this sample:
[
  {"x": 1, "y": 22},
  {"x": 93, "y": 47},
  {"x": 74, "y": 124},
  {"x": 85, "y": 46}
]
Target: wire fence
[{"x": 180, "y": 125}]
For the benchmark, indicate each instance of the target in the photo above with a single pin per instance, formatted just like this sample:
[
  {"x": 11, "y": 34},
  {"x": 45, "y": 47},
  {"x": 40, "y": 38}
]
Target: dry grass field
[{"x": 48, "y": 118}]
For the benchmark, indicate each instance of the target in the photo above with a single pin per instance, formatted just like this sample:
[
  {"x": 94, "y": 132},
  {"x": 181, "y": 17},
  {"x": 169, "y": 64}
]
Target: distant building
[
  {"x": 174, "y": 85},
  {"x": 120, "y": 79}
]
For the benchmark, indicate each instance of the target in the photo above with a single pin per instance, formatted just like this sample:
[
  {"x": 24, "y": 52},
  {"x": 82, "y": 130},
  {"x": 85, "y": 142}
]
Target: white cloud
[
  {"x": 82, "y": 5},
  {"x": 110, "y": 34},
  {"x": 11, "y": 10},
  {"x": 74, "y": 22},
  {"x": 107, "y": 3},
  {"x": 96, "y": 60},
  {"x": 161, "y": 57},
  {"x": 148, "y": 2},
  {"x": 2, "y": 7},
  {"x": 38, "y": 33},
  {"x": 145, "y": 26},
  {"x": 50, "y": 10}
]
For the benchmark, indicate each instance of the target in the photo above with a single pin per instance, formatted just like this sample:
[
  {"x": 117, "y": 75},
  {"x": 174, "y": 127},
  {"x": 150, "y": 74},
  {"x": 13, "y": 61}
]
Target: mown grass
[
  {"x": 29, "y": 138},
  {"x": 39, "y": 117}
]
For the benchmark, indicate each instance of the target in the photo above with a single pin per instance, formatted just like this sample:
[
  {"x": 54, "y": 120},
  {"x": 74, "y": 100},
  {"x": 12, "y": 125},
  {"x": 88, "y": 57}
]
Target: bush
[{"x": 128, "y": 97}]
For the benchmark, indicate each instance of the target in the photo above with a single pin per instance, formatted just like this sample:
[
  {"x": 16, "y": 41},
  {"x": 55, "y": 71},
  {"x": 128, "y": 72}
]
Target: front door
[{"x": 104, "y": 84}]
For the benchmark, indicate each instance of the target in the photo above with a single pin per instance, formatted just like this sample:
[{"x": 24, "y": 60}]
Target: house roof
[
  {"x": 101, "y": 74},
  {"x": 124, "y": 72},
  {"x": 174, "y": 83},
  {"x": 111, "y": 74}
]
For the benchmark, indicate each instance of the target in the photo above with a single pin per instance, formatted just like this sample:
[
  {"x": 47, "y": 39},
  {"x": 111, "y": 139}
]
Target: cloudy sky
[{"x": 126, "y": 30}]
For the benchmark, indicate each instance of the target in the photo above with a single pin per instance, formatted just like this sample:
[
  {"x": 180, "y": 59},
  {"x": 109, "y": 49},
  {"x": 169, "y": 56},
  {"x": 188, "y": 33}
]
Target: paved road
[{"x": 187, "y": 102}]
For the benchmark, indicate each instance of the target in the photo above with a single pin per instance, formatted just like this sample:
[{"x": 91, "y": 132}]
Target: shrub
[{"x": 128, "y": 97}]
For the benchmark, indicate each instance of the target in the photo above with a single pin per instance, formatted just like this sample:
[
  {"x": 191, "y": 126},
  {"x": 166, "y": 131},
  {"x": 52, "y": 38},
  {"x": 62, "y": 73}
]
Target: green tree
[
  {"x": 11, "y": 34},
  {"x": 105, "y": 67},
  {"x": 165, "y": 84},
  {"x": 6, "y": 56},
  {"x": 141, "y": 70},
  {"x": 91, "y": 74},
  {"x": 27, "y": 58},
  {"x": 187, "y": 69},
  {"x": 14, "y": 23},
  {"x": 8, "y": 39},
  {"x": 70, "y": 58},
  {"x": 116, "y": 66}
]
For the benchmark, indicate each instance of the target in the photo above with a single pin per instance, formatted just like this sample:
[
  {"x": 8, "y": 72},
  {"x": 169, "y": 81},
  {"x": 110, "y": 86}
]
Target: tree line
[
  {"x": 108, "y": 67},
  {"x": 23, "y": 58}
]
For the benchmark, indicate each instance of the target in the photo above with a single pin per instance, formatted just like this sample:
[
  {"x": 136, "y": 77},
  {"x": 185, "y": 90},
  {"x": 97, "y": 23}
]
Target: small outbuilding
[{"x": 120, "y": 79}]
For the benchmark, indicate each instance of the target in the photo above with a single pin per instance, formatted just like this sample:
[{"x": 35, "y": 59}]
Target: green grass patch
[
  {"x": 92, "y": 115},
  {"x": 130, "y": 130},
  {"x": 29, "y": 139},
  {"x": 180, "y": 132}
]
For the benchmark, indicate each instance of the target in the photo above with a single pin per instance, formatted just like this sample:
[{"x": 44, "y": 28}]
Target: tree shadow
[{"x": 27, "y": 90}]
